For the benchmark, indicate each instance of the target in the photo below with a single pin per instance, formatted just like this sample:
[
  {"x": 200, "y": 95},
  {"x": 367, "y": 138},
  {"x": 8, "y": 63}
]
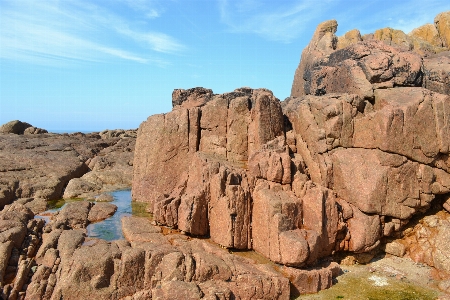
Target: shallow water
[{"x": 111, "y": 228}]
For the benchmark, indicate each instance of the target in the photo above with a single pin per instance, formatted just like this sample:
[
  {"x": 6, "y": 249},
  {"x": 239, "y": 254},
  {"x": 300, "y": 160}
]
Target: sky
[{"x": 107, "y": 64}]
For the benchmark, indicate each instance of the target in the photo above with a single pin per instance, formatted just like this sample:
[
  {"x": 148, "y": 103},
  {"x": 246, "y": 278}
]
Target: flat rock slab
[{"x": 136, "y": 229}]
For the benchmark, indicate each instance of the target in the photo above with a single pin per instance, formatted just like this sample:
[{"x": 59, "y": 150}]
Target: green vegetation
[
  {"x": 139, "y": 209},
  {"x": 352, "y": 287}
]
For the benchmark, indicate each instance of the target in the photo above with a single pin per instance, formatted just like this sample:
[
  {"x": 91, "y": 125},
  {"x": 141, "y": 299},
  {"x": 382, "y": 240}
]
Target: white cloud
[
  {"x": 52, "y": 32},
  {"x": 156, "y": 41},
  {"x": 147, "y": 7},
  {"x": 277, "y": 21}
]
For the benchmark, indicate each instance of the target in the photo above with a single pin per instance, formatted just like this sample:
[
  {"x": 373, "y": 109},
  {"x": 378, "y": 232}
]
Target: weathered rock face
[
  {"x": 437, "y": 73},
  {"x": 46, "y": 166},
  {"x": 426, "y": 242},
  {"x": 330, "y": 64},
  {"x": 323, "y": 42},
  {"x": 228, "y": 127},
  {"x": 150, "y": 265},
  {"x": 110, "y": 169},
  {"x": 361, "y": 68},
  {"x": 362, "y": 147},
  {"x": 428, "y": 33}
]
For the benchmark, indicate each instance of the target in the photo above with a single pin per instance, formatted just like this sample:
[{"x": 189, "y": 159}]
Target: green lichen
[
  {"x": 352, "y": 287},
  {"x": 139, "y": 209}
]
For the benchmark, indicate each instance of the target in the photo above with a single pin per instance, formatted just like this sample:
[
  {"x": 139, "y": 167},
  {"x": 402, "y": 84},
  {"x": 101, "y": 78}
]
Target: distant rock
[{"x": 18, "y": 127}]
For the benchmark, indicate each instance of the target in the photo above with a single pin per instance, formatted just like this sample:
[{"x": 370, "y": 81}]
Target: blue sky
[{"x": 106, "y": 64}]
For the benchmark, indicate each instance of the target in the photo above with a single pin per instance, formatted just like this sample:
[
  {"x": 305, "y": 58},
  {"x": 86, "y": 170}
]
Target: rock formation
[
  {"x": 359, "y": 148},
  {"x": 19, "y": 127},
  {"x": 47, "y": 166},
  {"x": 345, "y": 165}
]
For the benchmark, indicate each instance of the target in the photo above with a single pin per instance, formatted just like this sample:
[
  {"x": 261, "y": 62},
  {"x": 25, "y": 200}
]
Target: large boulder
[{"x": 16, "y": 127}]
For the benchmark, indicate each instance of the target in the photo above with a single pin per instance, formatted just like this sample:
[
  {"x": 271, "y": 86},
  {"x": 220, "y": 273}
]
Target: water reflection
[{"x": 111, "y": 228}]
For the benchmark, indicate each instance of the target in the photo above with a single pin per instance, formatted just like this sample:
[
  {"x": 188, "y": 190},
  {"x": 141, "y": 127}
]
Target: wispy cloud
[
  {"x": 155, "y": 40},
  {"x": 277, "y": 21},
  {"x": 285, "y": 21},
  {"x": 403, "y": 15},
  {"x": 148, "y": 7},
  {"x": 51, "y": 32}
]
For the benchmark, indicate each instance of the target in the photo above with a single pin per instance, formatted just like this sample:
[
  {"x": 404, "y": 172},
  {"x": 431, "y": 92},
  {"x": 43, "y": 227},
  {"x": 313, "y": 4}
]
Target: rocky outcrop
[
  {"x": 19, "y": 127},
  {"x": 31, "y": 166},
  {"x": 228, "y": 128},
  {"x": 150, "y": 265},
  {"x": 29, "y": 247},
  {"x": 323, "y": 42},
  {"x": 342, "y": 166},
  {"x": 110, "y": 169},
  {"x": 344, "y": 64},
  {"x": 359, "y": 149}
]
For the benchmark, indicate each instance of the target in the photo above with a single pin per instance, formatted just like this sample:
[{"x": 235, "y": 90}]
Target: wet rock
[
  {"x": 104, "y": 198},
  {"x": 73, "y": 215},
  {"x": 101, "y": 211}
]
